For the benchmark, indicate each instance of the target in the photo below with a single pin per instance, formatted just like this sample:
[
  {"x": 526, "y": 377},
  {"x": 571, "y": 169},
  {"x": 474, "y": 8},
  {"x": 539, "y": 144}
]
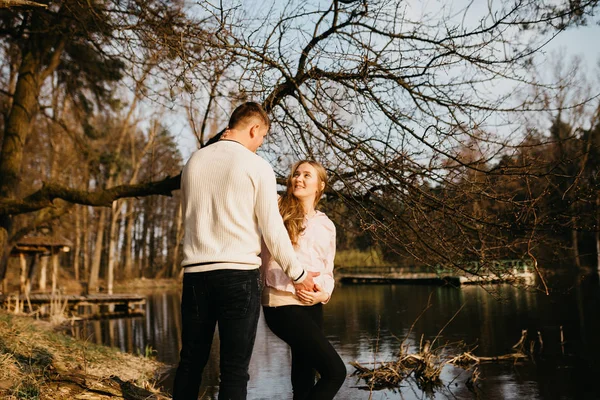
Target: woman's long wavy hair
[{"x": 291, "y": 208}]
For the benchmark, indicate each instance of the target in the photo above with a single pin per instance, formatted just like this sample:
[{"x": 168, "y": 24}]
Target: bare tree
[
  {"x": 387, "y": 95},
  {"x": 390, "y": 97},
  {"x": 86, "y": 48}
]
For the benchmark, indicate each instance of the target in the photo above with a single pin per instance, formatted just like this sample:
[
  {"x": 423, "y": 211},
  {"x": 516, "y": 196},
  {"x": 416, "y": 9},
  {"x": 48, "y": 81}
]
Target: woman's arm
[
  {"x": 328, "y": 280},
  {"x": 322, "y": 294}
]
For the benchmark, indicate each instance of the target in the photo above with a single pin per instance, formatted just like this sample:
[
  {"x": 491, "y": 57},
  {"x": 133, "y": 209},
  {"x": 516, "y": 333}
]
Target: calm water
[{"x": 368, "y": 322}]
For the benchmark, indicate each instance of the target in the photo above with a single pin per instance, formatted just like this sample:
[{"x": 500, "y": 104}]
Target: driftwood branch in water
[{"x": 427, "y": 364}]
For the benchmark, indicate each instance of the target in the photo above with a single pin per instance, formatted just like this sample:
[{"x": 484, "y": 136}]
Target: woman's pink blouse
[{"x": 315, "y": 251}]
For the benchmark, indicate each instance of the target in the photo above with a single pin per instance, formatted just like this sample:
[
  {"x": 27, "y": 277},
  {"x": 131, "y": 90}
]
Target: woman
[{"x": 297, "y": 318}]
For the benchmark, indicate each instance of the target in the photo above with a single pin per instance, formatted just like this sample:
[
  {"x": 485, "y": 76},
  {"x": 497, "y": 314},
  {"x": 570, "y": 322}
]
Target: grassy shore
[
  {"x": 358, "y": 258},
  {"x": 37, "y": 362},
  {"x": 144, "y": 284}
]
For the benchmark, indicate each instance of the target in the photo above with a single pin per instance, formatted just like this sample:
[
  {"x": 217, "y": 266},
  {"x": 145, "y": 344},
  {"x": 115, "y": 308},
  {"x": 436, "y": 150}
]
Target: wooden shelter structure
[{"x": 39, "y": 248}]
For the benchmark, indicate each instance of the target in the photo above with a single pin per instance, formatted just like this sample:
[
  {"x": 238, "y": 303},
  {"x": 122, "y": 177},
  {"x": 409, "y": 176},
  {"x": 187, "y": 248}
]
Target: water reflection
[{"x": 368, "y": 322}]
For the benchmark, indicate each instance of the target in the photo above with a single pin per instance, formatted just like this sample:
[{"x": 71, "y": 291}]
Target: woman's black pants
[{"x": 301, "y": 327}]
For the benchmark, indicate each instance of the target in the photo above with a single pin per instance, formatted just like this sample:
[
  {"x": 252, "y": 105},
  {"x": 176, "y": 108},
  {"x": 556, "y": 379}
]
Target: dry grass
[
  {"x": 141, "y": 284},
  {"x": 358, "y": 258},
  {"x": 38, "y": 363}
]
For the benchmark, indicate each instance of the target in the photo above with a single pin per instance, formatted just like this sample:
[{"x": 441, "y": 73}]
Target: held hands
[
  {"x": 308, "y": 283},
  {"x": 312, "y": 297}
]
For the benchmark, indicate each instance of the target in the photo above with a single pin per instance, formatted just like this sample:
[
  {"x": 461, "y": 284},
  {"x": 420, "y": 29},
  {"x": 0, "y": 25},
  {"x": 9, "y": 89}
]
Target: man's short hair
[{"x": 244, "y": 112}]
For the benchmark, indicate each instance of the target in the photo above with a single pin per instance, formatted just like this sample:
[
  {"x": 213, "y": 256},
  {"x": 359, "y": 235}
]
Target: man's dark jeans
[{"x": 230, "y": 298}]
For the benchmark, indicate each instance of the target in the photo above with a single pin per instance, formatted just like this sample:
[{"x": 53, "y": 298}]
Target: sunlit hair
[
  {"x": 244, "y": 112},
  {"x": 290, "y": 207}
]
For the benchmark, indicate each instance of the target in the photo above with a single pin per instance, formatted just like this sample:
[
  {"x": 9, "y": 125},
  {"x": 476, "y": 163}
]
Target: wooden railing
[
  {"x": 462, "y": 272},
  {"x": 520, "y": 265}
]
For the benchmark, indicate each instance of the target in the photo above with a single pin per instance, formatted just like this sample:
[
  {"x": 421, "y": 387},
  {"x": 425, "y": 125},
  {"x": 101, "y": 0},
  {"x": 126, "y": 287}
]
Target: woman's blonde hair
[{"x": 291, "y": 208}]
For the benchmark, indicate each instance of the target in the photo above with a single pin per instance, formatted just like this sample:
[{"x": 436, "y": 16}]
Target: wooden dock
[
  {"x": 83, "y": 306},
  {"x": 504, "y": 271}
]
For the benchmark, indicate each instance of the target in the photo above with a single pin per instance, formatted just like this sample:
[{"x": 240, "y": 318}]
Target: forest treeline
[
  {"x": 441, "y": 149},
  {"x": 551, "y": 179}
]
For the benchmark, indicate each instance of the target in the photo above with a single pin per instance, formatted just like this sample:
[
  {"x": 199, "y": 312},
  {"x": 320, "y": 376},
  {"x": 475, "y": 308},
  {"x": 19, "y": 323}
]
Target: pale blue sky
[{"x": 581, "y": 41}]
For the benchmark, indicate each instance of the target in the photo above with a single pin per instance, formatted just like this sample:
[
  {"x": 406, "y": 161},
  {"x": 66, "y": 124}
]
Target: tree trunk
[
  {"x": 23, "y": 274},
  {"x": 22, "y": 111},
  {"x": 77, "y": 247},
  {"x": 55, "y": 254},
  {"x": 5, "y": 249},
  {"x": 18, "y": 123},
  {"x": 112, "y": 244},
  {"x": 177, "y": 240},
  {"x": 145, "y": 246},
  {"x": 86, "y": 243},
  {"x": 167, "y": 223},
  {"x": 129, "y": 225},
  {"x": 575, "y": 242},
  {"x": 15, "y": 134},
  {"x": 43, "y": 273},
  {"x": 149, "y": 238},
  {"x": 95, "y": 267},
  {"x": 138, "y": 241}
]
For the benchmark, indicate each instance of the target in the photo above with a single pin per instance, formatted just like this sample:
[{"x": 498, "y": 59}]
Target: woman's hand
[{"x": 312, "y": 298}]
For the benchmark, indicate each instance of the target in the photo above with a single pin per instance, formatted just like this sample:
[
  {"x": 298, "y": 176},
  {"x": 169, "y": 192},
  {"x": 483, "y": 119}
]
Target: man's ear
[{"x": 254, "y": 130}]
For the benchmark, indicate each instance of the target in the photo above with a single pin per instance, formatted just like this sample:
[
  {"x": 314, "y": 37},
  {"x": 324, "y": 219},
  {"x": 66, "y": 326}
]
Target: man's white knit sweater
[{"x": 229, "y": 200}]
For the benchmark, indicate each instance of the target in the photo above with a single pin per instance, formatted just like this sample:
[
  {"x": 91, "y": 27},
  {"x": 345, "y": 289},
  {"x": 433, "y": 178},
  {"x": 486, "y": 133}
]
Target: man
[{"x": 229, "y": 200}]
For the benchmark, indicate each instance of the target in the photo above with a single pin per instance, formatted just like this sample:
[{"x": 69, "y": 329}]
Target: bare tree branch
[{"x": 44, "y": 197}]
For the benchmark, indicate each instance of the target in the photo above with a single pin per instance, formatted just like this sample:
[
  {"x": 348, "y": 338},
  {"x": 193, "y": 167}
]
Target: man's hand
[
  {"x": 308, "y": 283},
  {"x": 311, "y": 298}
]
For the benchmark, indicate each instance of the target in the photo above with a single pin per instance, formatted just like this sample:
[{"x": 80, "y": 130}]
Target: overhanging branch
[
  {"x": 20, "y": 3},
  {"x": 102, "y": 198}
]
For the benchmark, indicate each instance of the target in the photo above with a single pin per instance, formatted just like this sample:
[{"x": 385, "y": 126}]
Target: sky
[{"x": 581, "y": 41}]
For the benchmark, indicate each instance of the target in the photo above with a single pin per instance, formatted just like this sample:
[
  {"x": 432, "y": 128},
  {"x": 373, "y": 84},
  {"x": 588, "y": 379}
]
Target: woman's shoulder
[{"x": 324, "y": 220}]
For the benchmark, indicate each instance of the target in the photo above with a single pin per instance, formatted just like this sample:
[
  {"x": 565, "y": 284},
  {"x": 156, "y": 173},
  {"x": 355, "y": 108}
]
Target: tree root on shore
[{"x": 79, "y": 386}]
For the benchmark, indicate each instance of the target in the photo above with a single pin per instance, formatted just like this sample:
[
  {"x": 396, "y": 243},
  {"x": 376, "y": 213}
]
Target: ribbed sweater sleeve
[{"x": 273, "y": 230}]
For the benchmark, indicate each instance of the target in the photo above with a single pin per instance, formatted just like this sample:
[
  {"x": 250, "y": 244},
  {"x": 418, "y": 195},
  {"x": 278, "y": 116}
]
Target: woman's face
[{"x": 305, "y": 182}]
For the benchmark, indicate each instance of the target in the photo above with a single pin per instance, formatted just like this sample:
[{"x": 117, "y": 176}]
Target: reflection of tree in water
[
  {"x": 494, "y": 323},
  {"x": 360, "y": 317}
]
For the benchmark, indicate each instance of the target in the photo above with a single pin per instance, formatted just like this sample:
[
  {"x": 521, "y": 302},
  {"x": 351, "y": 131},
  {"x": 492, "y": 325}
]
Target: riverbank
[
  {"x": 38, "y": 362},
  {"x": 147, "y": 284}
]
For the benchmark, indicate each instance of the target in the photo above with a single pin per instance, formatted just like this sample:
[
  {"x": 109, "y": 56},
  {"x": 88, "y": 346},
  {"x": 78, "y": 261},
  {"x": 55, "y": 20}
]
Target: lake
[{"x": 367, "y": 323}]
